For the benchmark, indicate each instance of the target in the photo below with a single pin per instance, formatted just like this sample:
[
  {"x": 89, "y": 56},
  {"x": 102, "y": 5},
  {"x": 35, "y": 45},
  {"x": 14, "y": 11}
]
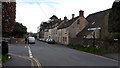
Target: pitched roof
[
  {"x": 95, "y": 20},
  {"x": 55, "y": 23},
  {"x": 54, "y": 17},
  {"x": 68, "y": 23}
]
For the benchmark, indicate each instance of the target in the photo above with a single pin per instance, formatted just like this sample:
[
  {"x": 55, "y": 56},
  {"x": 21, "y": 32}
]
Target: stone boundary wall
[
  {"x": 113, "y": 45},
  {"x": 15, "y": 40}
]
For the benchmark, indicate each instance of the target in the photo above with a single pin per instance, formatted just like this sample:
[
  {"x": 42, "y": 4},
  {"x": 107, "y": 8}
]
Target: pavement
[
  {"x": 114, "y": 56},
  {"x": 15, "y": 60}
]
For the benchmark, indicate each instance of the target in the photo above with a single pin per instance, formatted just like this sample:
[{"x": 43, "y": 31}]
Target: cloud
[
  {"x": 32, "y": 12},
  {"x": 31, "y": 15}
]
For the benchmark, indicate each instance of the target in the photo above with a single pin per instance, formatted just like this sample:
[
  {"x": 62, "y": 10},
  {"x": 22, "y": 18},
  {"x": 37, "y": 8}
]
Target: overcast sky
[{"x": 32, "y": 12}]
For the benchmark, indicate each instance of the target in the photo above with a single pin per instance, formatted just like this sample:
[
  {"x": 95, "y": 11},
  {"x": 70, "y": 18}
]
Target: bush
[{"x": 4, "y": 58}]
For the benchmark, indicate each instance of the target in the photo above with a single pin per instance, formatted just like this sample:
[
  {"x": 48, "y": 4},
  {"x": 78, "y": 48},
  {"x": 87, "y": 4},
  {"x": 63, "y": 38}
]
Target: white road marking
[
  {"x": 31, "y": 56},
  {"x": 25, "y": 46},
  {"x": 30, "y": 53}
]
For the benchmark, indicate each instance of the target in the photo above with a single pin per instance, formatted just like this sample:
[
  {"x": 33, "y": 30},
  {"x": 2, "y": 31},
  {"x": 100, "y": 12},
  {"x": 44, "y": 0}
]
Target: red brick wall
[{"x": 8, "y": 16}]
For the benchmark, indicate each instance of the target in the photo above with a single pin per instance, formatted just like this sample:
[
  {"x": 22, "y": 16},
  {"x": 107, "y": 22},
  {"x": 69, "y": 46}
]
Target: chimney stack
[
  {"x": 81, "y": 13},
  {"x": 65, "y": 18},
  {"x": 73, "y": 15}
]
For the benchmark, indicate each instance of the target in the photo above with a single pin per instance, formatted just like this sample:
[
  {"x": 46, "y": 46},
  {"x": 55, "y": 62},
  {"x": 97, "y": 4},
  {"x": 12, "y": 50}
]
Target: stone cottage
[
  {"x": 97, "y": 27},
  {"x": 70, "y": 28}
]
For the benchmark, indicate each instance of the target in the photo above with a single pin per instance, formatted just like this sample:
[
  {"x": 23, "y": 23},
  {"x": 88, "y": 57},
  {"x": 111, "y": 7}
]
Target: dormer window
[
  {"x": 93, "y": 23},
  {"x": 78, "y": 21}
]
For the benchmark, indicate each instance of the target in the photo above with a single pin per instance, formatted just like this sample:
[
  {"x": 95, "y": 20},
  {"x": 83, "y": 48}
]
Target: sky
[{"x": 32, "y": 12}]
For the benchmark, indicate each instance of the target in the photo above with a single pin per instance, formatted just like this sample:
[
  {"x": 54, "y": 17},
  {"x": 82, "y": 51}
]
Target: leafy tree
[{"x": 19, "y": 30}]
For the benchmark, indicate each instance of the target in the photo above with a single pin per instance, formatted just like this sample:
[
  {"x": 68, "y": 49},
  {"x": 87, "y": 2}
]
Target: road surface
[{"x": 43, "y": 54}]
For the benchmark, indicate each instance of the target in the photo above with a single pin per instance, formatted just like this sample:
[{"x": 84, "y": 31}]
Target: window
[
  {"x": 65, "y": 39},
  {"x": 56, "y": 31},
  {"x": 78, "y": 21},
  {"x": 65, "y": 31}
]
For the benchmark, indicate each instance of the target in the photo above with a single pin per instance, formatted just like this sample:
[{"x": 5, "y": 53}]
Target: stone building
[
  {"x": 97, "y": 27},
  {"x": 69, "y": 29},
  {"x": 51, "y": 30}
]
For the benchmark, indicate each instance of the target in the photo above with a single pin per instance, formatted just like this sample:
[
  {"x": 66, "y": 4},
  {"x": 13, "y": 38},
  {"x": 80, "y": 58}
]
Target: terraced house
[
  {"x": 97, "y": 27},
  {"x": 69, "y": 29},
  {"x": 63, "y": 30}
]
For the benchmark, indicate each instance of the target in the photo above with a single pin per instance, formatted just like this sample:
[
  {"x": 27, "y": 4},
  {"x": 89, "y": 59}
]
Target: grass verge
[
  {"x": 90, "y": 49},
  {"x": 4, "y": 58}
]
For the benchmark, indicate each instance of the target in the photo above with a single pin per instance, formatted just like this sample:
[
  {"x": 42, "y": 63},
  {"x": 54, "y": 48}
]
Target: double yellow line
[
  {"x": 31, "y": 59},
  {"x": 38, "y": 64}
]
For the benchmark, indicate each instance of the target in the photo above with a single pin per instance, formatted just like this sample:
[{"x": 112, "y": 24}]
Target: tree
[{"x": 19, "y": 30}]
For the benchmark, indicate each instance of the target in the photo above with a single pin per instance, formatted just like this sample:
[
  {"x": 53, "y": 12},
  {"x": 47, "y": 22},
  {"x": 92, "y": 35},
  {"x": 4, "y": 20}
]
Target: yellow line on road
[{"x": 38, "y": 64}]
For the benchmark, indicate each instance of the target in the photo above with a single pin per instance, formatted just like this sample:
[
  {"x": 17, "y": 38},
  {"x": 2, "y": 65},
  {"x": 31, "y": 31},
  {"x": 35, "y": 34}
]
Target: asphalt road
[{"x": 43, "y": 54}]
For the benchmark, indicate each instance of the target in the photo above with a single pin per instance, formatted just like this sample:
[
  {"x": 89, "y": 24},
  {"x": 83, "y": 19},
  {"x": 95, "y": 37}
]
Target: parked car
[
  {"x": 31, "y": 40},
  {"x": 44, "y": 40},
  {"x": 41, "y": 39},
  {"x": 50, "y": 41},
  {"x": 47, "y": 40}
]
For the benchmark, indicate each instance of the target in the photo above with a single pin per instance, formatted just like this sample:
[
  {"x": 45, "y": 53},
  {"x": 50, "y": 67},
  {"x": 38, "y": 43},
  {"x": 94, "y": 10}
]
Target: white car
[{"x": 31, "y": 40}]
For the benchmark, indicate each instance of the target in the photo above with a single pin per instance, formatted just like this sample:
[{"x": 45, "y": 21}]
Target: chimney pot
[
  {"x": 65, "y": 18},
  {"x": 73, "y": 15},
  {"x": 81, "y": 13}
]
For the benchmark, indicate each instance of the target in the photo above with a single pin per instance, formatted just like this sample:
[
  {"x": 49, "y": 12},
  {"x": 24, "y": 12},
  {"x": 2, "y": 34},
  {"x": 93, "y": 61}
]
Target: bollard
[{"x": 4, "y": 47}]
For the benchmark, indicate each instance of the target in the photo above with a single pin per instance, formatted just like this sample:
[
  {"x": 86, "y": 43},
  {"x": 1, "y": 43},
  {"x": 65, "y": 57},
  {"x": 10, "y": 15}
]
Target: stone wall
[
  {"x": 112, "y": 45},
  {"x": 15, "y": 40}
]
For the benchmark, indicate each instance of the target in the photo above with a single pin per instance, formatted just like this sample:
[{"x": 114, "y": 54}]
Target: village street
[{"x": 42, "y": 54}]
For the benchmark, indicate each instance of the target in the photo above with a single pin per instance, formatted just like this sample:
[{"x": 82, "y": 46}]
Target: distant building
[{"x": 8, "y": 16}]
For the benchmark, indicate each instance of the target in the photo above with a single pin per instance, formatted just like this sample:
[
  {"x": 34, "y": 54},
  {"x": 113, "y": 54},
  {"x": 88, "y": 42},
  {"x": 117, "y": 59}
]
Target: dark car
[{"x": 50, "y": 41}]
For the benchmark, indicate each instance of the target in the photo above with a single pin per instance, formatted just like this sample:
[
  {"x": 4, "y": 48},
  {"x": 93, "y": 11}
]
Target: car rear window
[{"x": 31, "y": 38}]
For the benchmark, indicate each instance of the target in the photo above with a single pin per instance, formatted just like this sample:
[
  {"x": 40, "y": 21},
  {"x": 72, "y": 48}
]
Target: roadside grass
[
  {"x": 4, "y": 58},
  {"x": 90, "y": 49}
]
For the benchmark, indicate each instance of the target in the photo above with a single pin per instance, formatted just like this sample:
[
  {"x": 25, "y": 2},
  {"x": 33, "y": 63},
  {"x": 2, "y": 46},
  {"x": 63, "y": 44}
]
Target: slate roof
[
  {"x": 54, "y": 17},
  {"x": 55, "y": 22},
  {"x": 95, "y": 20},
  {"x": 68, "y": 23}
]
